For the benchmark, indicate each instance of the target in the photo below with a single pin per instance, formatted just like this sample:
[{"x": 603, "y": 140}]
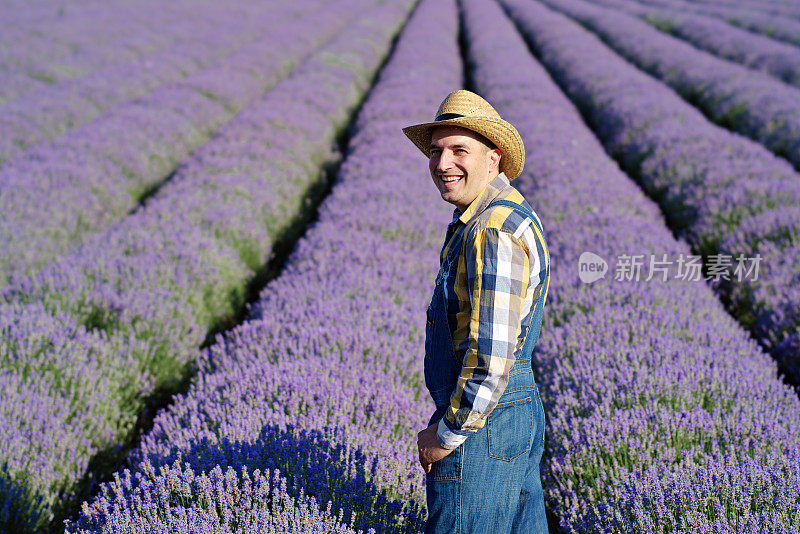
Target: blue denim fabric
[{"x": 491, "y": 483}]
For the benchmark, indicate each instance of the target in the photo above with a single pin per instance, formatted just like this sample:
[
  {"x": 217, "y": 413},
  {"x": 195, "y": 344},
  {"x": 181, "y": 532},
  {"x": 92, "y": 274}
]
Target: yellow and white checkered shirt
[{"x": 491, "y": 295}]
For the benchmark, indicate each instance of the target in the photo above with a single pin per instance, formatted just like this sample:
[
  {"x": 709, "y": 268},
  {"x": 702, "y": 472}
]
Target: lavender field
[{"x": 217, "y": 248}]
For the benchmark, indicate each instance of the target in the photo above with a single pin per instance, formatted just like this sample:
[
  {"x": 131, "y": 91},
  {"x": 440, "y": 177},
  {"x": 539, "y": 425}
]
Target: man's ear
[{"x": 494, "y": 158}]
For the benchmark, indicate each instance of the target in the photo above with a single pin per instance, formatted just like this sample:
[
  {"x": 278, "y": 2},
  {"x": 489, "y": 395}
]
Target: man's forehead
[{"x": 453, "y": 134}]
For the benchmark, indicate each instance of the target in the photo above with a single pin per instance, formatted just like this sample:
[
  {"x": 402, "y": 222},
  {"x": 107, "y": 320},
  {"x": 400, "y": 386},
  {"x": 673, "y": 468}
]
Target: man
[{"x": 482, "y": 448}]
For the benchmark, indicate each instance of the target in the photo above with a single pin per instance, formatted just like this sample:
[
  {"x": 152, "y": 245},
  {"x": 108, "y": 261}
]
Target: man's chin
[
  {"x": 450, "y": 193},
  {"x": 449, "y": 197}
]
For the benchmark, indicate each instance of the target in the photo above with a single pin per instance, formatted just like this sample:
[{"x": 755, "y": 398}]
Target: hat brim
[{"x": 504, "y": 136}]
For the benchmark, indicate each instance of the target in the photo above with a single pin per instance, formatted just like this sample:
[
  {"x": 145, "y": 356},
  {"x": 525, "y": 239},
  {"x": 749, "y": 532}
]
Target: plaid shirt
[{"x": 491, "y": 296}]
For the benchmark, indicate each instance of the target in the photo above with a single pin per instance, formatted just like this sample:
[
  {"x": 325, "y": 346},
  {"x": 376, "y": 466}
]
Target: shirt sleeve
[{"x": 497, "y": 269}]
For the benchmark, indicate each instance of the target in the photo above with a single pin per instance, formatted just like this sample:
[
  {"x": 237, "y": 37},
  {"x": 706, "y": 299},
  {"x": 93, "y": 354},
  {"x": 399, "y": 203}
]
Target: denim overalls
[{"x": 491, "y": 482}]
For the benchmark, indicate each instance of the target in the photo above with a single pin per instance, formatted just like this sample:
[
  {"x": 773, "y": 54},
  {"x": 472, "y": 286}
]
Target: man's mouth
[{"x": 449, "y": 179}]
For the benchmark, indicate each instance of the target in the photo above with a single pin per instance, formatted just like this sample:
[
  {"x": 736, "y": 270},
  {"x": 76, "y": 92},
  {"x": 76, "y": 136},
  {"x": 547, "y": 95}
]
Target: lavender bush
[
  {"x": 748, "y": 102},
  {"x": 32, "y": 38},
  {"x": 63, "y": 387},
  {"x": 769, "y": 306},
  {"x": 663, "y": 416},
  {"x": 708, "y": 181},
  {"x": 64, "y": 190},
  {"x": 24, "y": 14},
  {"x": 176, "y": 500},
  {"x": 94, "y": 40},
  {"x": 156, "y": 283},
  {"x": 324, "y": 381},
  {"x": 201, "y": 41},
  {"x": 781, "y": 28},
  {"x": 723, "y": 40},
  {"x": 784, "y": 9},
  {"x": 244, "y": 501}
]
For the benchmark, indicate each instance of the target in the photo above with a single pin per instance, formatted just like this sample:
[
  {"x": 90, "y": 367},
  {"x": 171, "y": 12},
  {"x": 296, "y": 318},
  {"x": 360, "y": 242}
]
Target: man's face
[{"x": 460, "y": 164}]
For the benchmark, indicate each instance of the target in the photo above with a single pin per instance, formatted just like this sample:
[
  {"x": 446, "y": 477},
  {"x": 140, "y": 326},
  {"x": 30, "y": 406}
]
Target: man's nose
[{"x": 445, "y": 161}]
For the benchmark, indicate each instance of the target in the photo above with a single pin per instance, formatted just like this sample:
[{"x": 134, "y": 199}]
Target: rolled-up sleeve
[{"x": 498, "y": 275}]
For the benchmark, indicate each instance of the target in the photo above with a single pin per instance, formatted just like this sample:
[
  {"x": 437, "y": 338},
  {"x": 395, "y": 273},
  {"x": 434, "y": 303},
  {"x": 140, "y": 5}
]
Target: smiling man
[{"x": 483, "y": 444}]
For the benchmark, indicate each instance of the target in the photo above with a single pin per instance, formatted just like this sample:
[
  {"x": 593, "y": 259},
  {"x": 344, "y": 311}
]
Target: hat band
[{"x": 447, "y": 116}]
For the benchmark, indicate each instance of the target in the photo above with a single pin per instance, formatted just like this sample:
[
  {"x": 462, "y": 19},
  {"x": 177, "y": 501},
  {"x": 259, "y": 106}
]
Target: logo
[{"x": 591, "y": 267}]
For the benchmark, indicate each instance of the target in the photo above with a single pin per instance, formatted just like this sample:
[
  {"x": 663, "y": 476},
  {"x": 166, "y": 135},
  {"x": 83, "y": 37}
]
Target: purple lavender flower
[
  {"x": 324, "y": 381},
  {"x": 180, "y": 499},
  {"x": 768, "y": 305},
  {"x": 118, "y": 55},
  {"x": 745, "y": 17},
  {"x": 152, "y": 286},
  {"x": 708, "y": 181},
  {"x": 707, "y": 33},
  {"x": 62, "y": 191},
  {"x": 662, "y": 413},
  {"x": 753, "y": 104},
  {"x": 779, "y": 7}
]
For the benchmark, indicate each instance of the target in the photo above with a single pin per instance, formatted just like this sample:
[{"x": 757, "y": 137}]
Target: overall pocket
[{"x": 510, "y": 429}]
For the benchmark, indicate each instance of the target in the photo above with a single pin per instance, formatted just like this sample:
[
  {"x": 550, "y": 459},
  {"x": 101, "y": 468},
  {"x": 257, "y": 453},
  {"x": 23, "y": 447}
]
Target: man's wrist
[{"x": 447, "y": 438}]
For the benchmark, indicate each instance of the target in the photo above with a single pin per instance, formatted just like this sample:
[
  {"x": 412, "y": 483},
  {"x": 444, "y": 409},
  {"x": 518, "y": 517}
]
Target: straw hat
[{"x": 468, "y": 110}]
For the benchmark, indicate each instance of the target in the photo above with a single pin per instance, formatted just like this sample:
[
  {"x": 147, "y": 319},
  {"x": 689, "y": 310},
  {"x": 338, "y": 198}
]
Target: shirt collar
[{"x": 489, "y": 193}]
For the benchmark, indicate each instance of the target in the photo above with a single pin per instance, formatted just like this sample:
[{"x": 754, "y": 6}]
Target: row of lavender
[
  {"x": 60, "y": 192},
  {"x": 197, "y": 42},
  {"x": 663, "y": 416},
  {"x": 748, "y": 102},
  {"x": 725, "y": 195},
  {"x": 775, "y": 7},
  {"x": 758, "y": 52},
  {"x": 781, "y": 28},
  {"x": 76, "y": 30},
  {"x": 319, "y": 394},
  {"x": 94, "y": 41},
  {"x": 91, "y": 334},
  {"x": 213, "y": 443},
  {"x": 22, "y": 14}
]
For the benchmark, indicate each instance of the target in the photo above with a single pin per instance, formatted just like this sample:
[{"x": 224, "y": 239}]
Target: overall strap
[{"x": 520, "y": 208}]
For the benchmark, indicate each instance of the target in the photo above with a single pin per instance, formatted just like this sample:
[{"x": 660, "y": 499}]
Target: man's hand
[{"x": 429, "y": 449}]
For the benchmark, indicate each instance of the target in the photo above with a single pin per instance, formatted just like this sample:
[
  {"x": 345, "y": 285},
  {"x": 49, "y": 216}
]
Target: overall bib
[{"x": 491, "y": 482}]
